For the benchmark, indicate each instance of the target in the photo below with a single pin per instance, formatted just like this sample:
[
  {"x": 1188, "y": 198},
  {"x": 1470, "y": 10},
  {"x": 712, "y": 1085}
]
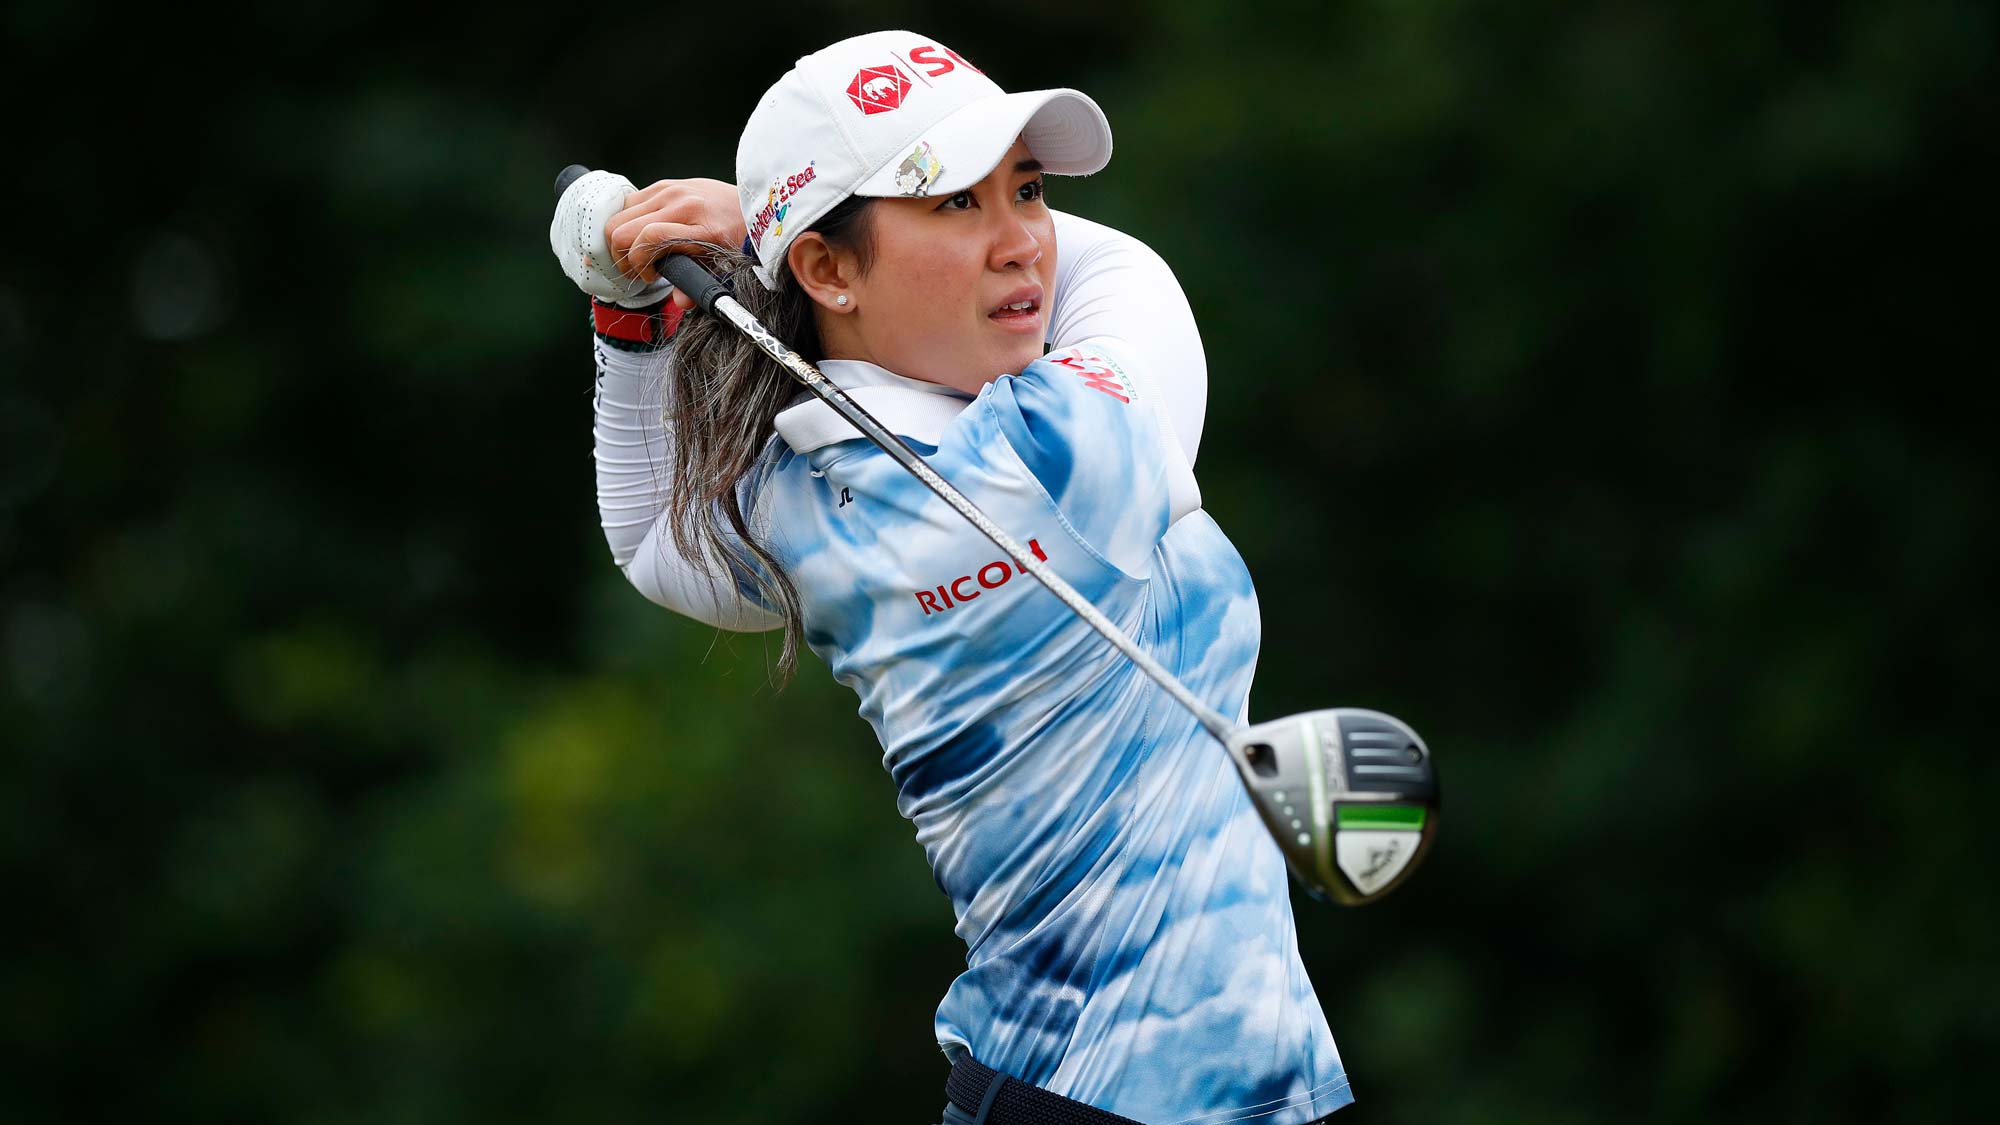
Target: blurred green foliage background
[{"x": 1593, "y": 384}]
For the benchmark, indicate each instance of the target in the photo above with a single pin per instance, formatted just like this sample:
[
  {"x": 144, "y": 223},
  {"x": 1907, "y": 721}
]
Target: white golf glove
[{"x": 576, "y": 235}]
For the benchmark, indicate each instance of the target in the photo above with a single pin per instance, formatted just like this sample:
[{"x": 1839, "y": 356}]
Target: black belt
[{"x": 993, "y": 1098}]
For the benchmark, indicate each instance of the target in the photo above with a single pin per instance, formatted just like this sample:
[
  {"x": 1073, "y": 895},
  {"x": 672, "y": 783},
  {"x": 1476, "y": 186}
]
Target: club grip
[
  {"x": 569, "y": 176},
  {"x": 688, "y": 276}
]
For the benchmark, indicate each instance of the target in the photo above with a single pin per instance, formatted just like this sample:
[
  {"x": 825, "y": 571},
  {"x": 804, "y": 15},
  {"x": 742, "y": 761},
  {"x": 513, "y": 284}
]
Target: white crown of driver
[{"x": 893, "y": 113}]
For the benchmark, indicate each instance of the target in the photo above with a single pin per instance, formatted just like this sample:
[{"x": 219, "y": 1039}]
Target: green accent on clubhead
[{"x": 1399, "y": 818}]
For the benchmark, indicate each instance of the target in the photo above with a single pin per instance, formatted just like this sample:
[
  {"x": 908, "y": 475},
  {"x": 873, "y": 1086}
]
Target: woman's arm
[
  {"x": 633, "y": 447},
  {"x": 634, "y": 454},
  {"x": 1109, "y": 284}
]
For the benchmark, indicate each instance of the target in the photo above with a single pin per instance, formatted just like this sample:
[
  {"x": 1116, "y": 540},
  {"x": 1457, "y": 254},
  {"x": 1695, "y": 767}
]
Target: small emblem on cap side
[
  {"x": 878, "y": 89},
  {"x": 918, "y": 171},
  {"x": 778, "y": 203}
]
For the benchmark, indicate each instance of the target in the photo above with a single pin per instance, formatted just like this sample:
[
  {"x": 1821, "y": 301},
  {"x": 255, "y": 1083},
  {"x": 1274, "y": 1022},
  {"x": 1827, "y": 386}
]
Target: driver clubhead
[{"x": 1349, "y": 795}]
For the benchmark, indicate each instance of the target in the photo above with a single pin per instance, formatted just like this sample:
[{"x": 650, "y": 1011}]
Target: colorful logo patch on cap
[
  {"x": 918, "y": 171},
  {"x": 878, "y": 89},
  {"x": 778, "y": 203}
]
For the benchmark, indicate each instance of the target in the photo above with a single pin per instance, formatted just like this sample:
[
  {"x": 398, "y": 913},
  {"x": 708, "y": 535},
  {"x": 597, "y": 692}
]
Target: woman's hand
[{"x": 658, "y": 219}]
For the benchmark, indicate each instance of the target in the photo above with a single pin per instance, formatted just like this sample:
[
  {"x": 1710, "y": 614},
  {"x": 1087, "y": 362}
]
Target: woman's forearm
[{"x": 633, "y": 448}]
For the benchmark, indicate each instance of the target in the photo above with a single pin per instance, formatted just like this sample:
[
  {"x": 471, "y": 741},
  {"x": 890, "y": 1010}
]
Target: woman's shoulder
[
  {"x": 1085, "y": 414},
  {"x": 1097, "y": 375}
]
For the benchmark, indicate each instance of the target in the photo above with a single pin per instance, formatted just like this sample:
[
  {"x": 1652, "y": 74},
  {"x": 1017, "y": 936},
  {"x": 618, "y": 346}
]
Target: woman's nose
[{"x": 1016, "y": 246}]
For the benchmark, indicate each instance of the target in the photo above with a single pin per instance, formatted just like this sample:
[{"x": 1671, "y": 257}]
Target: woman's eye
[
  {"x": 960, "y": 202},
  {"x": 1032, "y": 190}
]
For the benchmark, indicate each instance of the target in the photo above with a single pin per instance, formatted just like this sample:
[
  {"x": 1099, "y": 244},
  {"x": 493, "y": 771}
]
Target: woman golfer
[{"x": 1129, "y": 936}]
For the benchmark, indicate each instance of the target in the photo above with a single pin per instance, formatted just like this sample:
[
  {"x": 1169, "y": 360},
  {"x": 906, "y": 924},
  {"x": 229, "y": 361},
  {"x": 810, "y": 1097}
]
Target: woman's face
[{"x": 958, "y": 288}]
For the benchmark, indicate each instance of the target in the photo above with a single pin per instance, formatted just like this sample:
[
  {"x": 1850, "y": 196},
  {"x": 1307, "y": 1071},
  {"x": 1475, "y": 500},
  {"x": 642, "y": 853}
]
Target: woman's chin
[
  {"x": 1011, "y": 358},
  {"x": 1020, "y": 355}
]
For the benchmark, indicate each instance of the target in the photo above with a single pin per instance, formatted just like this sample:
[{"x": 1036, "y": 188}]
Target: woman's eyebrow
[{"x": 1030, "y": 165}]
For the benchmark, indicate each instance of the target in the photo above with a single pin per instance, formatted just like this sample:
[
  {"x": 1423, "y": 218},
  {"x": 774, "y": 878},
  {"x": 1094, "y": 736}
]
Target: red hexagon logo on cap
[{"x": 878, "y": 89}]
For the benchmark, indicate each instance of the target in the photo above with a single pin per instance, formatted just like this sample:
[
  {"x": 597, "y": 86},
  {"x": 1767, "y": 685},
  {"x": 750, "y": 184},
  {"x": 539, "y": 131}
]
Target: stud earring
[{"x": 840, "y": 300}]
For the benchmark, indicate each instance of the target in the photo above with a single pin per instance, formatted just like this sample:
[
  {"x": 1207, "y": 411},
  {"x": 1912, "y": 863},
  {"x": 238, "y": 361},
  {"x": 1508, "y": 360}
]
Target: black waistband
[{"x": 993, "y": 1098}]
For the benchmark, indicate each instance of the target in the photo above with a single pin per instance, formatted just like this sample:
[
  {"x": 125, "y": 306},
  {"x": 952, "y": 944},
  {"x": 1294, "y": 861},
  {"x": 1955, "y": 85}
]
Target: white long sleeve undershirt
[{"x": 1107, "y": 284}]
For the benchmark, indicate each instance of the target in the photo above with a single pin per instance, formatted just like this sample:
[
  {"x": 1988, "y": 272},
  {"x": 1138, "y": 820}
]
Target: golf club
[{"x": 1350, "y": 795}]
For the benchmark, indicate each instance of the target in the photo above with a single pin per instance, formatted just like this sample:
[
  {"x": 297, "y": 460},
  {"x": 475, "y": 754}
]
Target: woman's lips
[
  {"x": 1020, "y": 312},
  {"x": 1029, "y": 321}
]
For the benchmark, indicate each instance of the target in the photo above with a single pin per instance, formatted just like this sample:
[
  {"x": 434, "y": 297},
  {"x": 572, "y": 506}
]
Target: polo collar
[{"x": 910, "y": 408}]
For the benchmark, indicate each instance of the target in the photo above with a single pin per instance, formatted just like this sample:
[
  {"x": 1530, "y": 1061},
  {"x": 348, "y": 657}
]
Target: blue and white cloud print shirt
[
  {"x": 1129, "y": 937},
  {"x": 1129, "y": 933}
]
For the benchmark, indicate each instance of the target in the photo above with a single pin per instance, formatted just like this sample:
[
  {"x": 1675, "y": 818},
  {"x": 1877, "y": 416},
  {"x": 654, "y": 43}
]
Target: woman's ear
[{"x": 823, "y": 272}]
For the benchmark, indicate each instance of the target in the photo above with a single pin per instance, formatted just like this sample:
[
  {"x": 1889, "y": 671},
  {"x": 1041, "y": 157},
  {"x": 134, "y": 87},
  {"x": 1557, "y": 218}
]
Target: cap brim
[{"x": 1064, "y": 130}]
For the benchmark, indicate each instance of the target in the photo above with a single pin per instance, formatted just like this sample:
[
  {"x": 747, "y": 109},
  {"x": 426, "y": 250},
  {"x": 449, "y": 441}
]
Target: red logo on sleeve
[
  {"x": 878, "y": 89},
  {"x": 1097, "y": 375}
]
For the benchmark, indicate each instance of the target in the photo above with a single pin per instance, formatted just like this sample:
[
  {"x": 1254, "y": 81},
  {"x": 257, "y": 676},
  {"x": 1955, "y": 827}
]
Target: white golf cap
[{"x": 893, "y": 113}]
